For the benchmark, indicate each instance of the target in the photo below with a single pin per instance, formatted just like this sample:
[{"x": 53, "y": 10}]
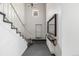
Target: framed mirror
[{"x": 52, "y": 25}]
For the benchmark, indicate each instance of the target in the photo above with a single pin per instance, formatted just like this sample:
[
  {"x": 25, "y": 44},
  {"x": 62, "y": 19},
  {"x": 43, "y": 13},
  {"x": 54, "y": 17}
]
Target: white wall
[
  {"x": 31, "y": 20},
  {"x": 70, "y": 29},
  {"x": 20, "y": 8},
  {"x": 51, "y": 9}
]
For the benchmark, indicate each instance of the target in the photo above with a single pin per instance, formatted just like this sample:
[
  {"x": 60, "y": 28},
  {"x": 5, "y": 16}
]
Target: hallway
[
  {"x": 22, "y": 24},
  {"x": 37, "y": 49}
]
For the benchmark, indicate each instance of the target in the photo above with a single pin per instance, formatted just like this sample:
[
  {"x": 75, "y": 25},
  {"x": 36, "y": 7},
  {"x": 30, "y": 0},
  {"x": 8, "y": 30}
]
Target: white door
[{"x": 38, "y": 30}]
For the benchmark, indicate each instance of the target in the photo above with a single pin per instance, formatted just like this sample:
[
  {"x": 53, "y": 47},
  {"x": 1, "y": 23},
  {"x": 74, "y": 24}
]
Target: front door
[{"x": 38, "y": 31}]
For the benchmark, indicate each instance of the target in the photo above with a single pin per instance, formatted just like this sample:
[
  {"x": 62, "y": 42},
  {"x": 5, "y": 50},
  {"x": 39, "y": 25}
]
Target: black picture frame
[{"x": 54, "y": 17}]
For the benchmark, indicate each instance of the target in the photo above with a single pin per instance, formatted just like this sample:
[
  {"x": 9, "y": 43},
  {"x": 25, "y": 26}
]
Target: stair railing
[{"x": 7, "y": 20}]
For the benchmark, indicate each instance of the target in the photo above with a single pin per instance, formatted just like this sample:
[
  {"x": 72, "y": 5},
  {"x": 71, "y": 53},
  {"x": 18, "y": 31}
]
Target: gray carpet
[{"x": 37, "y": 49}]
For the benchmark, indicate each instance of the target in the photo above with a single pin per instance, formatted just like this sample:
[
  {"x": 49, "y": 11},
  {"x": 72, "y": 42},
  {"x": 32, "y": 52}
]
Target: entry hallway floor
[{"x": 37, "y": 49}]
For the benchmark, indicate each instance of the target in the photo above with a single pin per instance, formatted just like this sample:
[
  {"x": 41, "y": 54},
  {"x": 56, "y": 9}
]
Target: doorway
[{"x": 38, "y": 31}]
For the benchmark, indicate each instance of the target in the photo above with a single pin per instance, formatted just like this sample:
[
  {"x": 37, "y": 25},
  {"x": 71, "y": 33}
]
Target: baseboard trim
[{"x": 39, "y": 40}]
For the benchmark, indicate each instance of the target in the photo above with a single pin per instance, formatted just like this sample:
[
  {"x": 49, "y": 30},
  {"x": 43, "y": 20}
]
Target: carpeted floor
[{"x": 37, "y": 49}]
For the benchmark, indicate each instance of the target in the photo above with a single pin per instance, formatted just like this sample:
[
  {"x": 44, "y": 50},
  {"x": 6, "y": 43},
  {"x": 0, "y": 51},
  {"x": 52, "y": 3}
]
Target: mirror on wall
[{"x": 52, "y": 25}]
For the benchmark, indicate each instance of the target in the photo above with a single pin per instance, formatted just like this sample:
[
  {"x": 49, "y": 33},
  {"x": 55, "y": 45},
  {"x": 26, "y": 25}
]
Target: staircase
[
  {"x": 12, "y": 30},
  {"x": 11, "y": 17}
]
